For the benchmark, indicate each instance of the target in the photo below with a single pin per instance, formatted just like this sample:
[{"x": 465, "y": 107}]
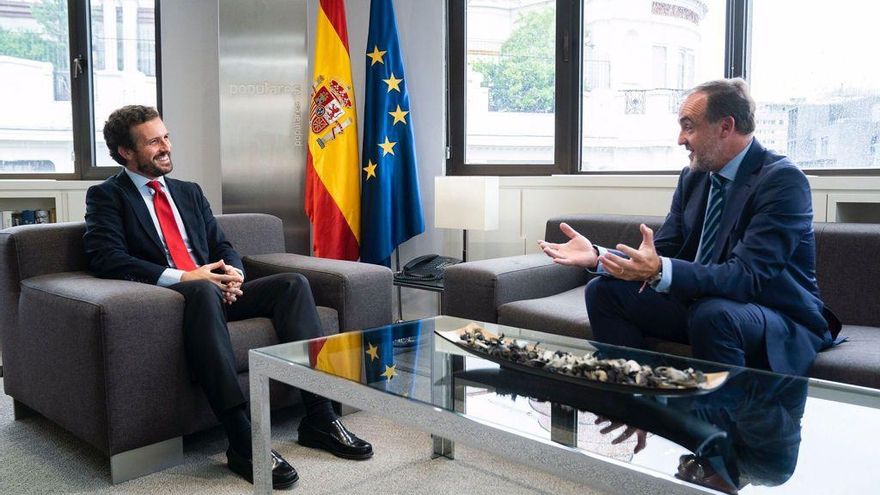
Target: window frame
[
  {"x": 82, "y": 97},
  {"x": 567, "y": 116},
  {"x": 569, "y": 77}
]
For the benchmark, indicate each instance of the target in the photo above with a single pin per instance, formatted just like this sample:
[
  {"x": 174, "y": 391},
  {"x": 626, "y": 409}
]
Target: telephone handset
[{"x": 427, "y": 267}]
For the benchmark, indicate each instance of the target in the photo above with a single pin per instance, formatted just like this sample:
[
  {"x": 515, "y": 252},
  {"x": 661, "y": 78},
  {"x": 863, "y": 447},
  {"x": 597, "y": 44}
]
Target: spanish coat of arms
[{"x": 329, "y": 110}]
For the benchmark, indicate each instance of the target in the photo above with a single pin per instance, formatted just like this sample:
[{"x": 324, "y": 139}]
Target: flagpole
[{"x": 399, "y": 300}]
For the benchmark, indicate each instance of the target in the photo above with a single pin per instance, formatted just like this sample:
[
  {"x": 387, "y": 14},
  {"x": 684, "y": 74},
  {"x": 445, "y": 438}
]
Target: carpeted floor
[{"x": 37, "y": 457}]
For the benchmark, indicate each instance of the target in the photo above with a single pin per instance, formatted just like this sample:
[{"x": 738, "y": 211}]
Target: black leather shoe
[
  {"x": 283, "y": 474},
  {"x": 336, "y": 439}
]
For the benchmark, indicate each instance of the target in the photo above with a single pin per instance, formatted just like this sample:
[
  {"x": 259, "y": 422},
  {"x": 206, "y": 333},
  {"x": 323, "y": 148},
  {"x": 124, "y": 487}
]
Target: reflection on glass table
[{"x": 759, "y": 432}]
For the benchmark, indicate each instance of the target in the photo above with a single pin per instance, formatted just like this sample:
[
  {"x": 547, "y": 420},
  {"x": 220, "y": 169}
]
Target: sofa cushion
[
  {"x": 564, "y": 314},
  {"x": 856, "y": 361},
  {"x": 848, "y": 286},
  {"x": 603, "y": 230},
  {"x": 258, "y": 332}
]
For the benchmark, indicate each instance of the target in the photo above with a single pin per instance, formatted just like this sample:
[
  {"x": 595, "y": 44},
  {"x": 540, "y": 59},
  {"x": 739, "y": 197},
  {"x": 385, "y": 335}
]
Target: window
[
  {"x": 64, "y": 66},
  {"x": 129, "y": 41},
  {"x": 511, "y": 83},
  {"x": 829, "y": 82},
  {"x": 514, "y": 112},
  {"x": 617, "y": 93}
]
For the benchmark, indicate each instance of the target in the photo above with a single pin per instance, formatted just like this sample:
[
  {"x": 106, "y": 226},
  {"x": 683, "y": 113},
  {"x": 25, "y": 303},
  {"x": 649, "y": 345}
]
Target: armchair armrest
[
  {"x": 359, "y": 292},
  {"x": 100, "y": 357},
  {"x": 476, "y": 289}
]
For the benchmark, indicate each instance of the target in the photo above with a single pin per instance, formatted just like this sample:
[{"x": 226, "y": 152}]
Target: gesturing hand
[
  {"x": 642, "y": 264},
  {"x": 641, "y": 435},
  {"x": 578, "y": 251}
]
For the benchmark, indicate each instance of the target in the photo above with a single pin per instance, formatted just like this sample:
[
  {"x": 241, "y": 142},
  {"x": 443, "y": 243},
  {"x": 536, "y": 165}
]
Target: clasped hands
[
  {"x": 224, "y": 276},
  {"x": 643, "y": 263}
]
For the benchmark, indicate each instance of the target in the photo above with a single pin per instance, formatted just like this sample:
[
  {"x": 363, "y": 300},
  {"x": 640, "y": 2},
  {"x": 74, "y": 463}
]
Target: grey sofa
[
  {"x": 530, "y": 291},
  {"x": 104, "y": 359}
]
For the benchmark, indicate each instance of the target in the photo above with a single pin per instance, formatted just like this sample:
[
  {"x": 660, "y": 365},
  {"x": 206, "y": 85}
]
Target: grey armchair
[{"x": 104, "y": 358}]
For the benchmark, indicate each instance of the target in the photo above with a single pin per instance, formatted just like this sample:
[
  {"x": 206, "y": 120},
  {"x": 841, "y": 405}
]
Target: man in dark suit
[
  {"x": 732, "y": 270},
  {"x": 145, "y": 227}
]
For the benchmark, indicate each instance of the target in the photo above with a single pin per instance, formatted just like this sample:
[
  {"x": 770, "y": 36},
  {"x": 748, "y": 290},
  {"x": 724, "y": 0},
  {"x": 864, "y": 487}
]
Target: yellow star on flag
[
  {"x": 372, "y": 350},
  {"x": 399, "y": 115},
  {"x": 370, "y": 169},
  {"x": 387, "y": 147},
  {"x": 376, "y": 56},
  {"x": 390, "y": 372},
  {"x": 393, "y": 83}
]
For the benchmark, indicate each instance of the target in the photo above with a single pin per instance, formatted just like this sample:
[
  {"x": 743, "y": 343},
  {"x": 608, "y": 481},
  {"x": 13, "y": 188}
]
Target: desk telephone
[{"x": 427, "y": 267}]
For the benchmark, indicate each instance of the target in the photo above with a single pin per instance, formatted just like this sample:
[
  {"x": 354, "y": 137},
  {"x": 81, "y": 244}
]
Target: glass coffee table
[{"x": 759, "y": 432}]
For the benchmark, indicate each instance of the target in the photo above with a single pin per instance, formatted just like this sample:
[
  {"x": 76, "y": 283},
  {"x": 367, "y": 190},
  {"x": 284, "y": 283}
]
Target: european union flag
[
  {"x": 391, "y": 357},
  {"x": 379, "y": 366},
  {"x": 391, "y": 207}
]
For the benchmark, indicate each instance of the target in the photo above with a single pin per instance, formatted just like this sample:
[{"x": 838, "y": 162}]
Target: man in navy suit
[
  {"x": 145, "y": 227},
  {"x": 732, "y": 269}
]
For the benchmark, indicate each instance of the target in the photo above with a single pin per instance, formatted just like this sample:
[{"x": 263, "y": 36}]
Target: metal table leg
[
  {"x": 563, "y": 424},
  {"x": 446, "y": 394},
  {"x": 261, "y": 431}
]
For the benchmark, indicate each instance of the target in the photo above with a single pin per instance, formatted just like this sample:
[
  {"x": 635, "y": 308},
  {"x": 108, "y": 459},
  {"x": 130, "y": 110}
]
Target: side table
[{"x": 428, "y": 285}]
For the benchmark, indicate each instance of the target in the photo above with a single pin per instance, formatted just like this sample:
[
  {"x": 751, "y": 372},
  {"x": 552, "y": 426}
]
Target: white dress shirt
[{"x": 171, "y": 275}]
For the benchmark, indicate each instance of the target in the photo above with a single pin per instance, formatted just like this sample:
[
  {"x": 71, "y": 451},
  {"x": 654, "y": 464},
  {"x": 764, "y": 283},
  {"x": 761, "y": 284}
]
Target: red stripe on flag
[
  {"x": 332, "y": 237},
  {"x": 335, "y": 12},
  {"x": 315, "y": 347}
]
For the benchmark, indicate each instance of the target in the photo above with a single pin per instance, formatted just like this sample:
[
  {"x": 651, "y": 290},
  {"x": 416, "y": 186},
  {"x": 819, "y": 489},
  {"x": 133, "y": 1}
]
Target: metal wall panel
[{"x": 264, "y": 94}]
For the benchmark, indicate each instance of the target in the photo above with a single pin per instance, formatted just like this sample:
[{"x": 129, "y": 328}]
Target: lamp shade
[{"x": 466, "y": 202}]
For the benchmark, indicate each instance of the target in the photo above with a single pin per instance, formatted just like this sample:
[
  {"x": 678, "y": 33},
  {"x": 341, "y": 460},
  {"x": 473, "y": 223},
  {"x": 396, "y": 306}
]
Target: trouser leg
[
  {"x": 621, "y": 315},
  {"x": 208, "y": 348},
  {"x": 729, "y": 332},
  {"x": 287, "y": 299}
]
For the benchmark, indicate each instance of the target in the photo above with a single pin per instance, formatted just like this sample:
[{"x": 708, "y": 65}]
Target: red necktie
[{"x": 176, "y": 247}]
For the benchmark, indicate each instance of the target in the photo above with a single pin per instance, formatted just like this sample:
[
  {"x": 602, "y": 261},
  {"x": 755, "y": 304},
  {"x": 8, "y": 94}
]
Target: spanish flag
[{"x": 332, "y": 171}]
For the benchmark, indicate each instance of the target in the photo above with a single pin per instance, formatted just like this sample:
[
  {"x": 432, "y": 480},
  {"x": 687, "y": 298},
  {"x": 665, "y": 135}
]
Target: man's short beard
[
  {"x": 699, "y": 165},
  {"x": 151, "y": 170},
  {"x": 707, "y": 162}
]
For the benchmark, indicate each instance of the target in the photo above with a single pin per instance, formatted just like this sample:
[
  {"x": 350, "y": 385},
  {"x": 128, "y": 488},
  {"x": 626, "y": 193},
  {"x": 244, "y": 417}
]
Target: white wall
[{"x": 191, "y": 92}]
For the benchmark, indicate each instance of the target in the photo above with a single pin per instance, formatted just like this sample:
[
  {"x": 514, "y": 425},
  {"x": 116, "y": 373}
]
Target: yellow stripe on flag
[
  {"x": 333, "y": 123},
  {"x": 341, "y": 356}
]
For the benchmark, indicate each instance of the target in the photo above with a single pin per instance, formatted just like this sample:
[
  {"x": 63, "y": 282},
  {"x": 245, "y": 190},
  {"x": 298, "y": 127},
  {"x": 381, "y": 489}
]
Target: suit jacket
[
  {"x": 765, "y": 251},
  {"x": 121, "y": 240}
]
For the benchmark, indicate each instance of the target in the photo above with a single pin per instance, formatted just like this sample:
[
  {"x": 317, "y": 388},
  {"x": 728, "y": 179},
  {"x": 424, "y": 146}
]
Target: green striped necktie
[{"x": 713, "y": 219}]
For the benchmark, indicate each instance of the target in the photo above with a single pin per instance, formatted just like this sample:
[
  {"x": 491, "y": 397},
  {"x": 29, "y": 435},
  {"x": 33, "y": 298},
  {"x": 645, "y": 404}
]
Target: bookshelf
[{"x": 67, "y": 198}]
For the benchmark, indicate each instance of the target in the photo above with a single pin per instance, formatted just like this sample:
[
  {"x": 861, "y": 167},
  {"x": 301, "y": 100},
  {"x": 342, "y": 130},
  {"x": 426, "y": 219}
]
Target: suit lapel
[
  {"x": 736, "y": 197},
  {"x": 137, "y": 204},
  {"x": 694, "y": 214}
]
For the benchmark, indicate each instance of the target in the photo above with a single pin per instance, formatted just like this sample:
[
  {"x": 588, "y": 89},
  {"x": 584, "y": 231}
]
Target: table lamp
[{"x": 466, "y": 203}]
